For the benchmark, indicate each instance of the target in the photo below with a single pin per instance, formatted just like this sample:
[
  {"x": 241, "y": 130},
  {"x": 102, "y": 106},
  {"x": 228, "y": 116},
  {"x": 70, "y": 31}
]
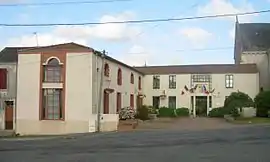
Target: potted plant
[{"x": 152, "y": 112}]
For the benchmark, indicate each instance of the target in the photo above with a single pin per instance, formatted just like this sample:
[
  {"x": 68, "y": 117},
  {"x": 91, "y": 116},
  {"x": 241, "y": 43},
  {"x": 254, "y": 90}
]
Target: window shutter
[{"x": 3, "y": 78}]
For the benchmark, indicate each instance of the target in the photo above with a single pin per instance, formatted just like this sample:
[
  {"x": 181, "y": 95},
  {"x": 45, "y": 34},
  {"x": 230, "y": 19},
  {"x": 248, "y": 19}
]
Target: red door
[
  {"x": 132, "y": 100},
  {"x": 118, "y": 101},
  {"x": 9, "y": 115},
  {"x": 106, "y": 108}
]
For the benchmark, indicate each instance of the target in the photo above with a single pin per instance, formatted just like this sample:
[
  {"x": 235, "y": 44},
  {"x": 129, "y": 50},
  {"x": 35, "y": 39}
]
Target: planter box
[
  {"x": 152, "y": 116},
  {"x": 228, "y": 118}
]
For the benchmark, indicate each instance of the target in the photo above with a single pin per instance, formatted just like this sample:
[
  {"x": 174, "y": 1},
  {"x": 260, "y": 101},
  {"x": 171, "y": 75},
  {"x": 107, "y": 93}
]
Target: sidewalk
[{"x": 6, "y": 133}]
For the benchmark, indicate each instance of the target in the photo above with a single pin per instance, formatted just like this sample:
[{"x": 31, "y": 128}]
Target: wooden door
[
  {"x": 106, "y": 100},
  {"x": 118, "y": 102},
  {"x": 9, "y": 115},
  {"x": 139, "y": 101},
  {"x": 132, "y": 101}
]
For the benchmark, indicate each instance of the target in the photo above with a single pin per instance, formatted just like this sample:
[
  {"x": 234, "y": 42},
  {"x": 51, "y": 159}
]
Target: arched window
[
  {"x": 131, "y": 78},
  {"x": 107, "y": 70},
  {"x": 52, "y": 71},
  {"x": 140, "y": 83},
  {"x": 119, "y": 77}
]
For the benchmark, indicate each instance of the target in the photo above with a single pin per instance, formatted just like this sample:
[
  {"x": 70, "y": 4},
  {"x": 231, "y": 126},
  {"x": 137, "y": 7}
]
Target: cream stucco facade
[
  {"x": 248, "y": 83},
  {"x": 82, "y": 73},
  {"x": 82, "y": 81},
  {"x": 262, "y": 60}
]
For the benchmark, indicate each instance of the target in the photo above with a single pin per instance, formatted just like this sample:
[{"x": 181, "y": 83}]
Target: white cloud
[
  {"x": 10, "y": 1},
  {"x": 232, "y": 33},
  {"x": 197, "y": 36},
  {"x": 43, "y": 40},
  {"x": 217, "y": 7},
  {"x": 136, "y": 56},
  {"x": 83, "y": 34}
]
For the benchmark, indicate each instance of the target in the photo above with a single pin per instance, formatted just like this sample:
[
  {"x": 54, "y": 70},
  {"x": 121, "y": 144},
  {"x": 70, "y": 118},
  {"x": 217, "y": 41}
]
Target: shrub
[
  {"x": 166, "y": 112},
  {"x": 262, "y": 102},
  {"x": 235, "y": 101},
  {"x": 143, "y": 113},
  {"x": 152, "y": 110},
  {"x": 126, "y": 113},
  {"x": 182, "y": 111},
  {"x": 218, "y": 112}
]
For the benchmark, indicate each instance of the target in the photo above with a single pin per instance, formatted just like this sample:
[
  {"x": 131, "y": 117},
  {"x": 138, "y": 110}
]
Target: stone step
[{"x": 6, "y": 133}]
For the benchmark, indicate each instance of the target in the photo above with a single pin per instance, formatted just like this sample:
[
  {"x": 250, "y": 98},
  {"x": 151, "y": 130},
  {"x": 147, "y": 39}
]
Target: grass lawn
[{"x": 254, "y": 120}]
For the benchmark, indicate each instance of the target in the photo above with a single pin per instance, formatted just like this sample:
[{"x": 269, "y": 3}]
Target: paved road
[{"x": 247, "y": 144}]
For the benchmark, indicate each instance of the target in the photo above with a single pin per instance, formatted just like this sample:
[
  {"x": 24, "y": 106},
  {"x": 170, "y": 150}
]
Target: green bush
[
  {"x": 142, "y": 113},
  {"x": 152, "y": 110},
  {"x": 237, "y": 100},
  {"x": 262, "y": 103},
  {"x": 182, "y": 112},
  {"x": 218, "y": 112},
  {"x": 166, "y": 112}
]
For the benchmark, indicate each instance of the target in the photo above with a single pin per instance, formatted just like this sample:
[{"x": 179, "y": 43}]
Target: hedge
[
  {"x": 262, "y": 102},
  {"x": 218, "y": 112},
  {"x": 182, "y": 111},
  {"x": 171, "y": 112}
]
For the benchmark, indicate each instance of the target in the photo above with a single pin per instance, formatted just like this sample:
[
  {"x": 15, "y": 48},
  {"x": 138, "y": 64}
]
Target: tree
[
  {"x": 262, "y": 103},
  {"x": 237, "y": 100}
]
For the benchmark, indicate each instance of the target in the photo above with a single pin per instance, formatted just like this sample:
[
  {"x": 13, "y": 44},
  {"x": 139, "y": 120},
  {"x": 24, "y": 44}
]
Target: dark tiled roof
[
  {"x": 254, "y": 36},
  {"x": 199, "y": 69},
  {"x": 68, "y": 47},
  {"x": 10, "y": 54}
]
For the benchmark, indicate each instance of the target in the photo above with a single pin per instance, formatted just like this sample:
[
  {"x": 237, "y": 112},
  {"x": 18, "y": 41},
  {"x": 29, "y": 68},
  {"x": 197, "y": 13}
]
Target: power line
[
  {"x": 62, "y": 3},
  {"x": 157, "y": 25},
  {"x": 190, "y": 50},
  {"x": 139, "y": 21}
]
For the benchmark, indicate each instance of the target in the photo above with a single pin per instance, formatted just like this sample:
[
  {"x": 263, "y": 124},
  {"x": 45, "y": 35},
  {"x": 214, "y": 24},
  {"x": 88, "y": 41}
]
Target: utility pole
[{"x": 103, "y": 55}]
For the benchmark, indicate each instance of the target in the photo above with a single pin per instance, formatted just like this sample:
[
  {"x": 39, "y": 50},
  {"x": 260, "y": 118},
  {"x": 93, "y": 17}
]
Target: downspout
[
  {"x": 16, "y": 94},
  {"x": 100, "y": 91},
  {"x": 268, "y": 70}
]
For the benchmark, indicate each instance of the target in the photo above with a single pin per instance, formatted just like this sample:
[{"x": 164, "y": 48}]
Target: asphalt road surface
[{"x": 247, "y": 144}]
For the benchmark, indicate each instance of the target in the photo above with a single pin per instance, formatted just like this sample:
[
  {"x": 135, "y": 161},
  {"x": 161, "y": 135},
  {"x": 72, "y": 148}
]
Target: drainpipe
[
  {"x": 100, "y": 91},
  {"x": 268, "y": 66},
  {"x": 16, "y": 94}
]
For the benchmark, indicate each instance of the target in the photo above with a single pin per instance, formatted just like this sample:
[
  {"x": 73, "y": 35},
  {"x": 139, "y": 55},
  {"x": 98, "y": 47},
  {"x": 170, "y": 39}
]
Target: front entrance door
[
  {"x": 156, "y": 101},
  {"x": 9, "y": 115},
  {"x": 139, "y": 102},
  {"x": 201, "y": 105},
  {"x": 106, "y": 108}
]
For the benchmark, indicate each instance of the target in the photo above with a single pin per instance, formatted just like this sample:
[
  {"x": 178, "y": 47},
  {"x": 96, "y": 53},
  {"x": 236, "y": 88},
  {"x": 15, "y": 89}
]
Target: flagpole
[{"x": 36, "y": 36}]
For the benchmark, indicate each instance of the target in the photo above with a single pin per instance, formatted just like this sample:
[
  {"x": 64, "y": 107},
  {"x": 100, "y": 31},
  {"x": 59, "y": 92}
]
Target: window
[
  {"x": 172, "y": 81},
  {"x": 119, "y": 77},
  {"x": 229, "y": 81},
  {"x": 172, "y": 102},
  {"x": 210, "y": 101},
  {"x": 3, "y": 78},
  {"x": 156, "y": 82},
  {"x": 140, "y": 83},
  {"x": 118, "y": 102},
  {"x": 107, "y": 70},
  {"x": 131, "y": 78},
  {"x": 156, "y": 101},
  {"x": 52, "y": 105},
  {"x": 132, "y": 100},
  {"x": 201, "y": 78},
  {"x": 52, "y": 71}
]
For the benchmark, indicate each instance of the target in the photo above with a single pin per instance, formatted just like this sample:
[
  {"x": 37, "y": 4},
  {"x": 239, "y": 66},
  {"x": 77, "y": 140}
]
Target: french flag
[{"x": 204, "y": 89}]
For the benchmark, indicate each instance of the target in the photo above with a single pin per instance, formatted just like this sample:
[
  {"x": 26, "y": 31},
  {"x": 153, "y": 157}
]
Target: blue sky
[{"x": 154, "y": 43}]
